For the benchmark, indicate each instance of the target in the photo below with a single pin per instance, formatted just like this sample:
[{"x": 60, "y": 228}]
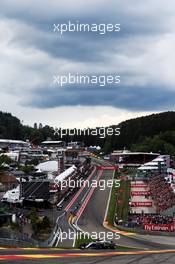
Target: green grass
[
  {"x": 112, "y": 204},
  {"x": 83, "y": 239},
  {"x": 123, "y": 248},
  {"x": 86, "y": 240},
  {"x": 122, "y": 208}
]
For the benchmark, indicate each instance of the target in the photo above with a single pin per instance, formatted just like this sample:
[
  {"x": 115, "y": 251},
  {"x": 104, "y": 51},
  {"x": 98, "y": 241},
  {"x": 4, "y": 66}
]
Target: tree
[
  {"x": 33, "y": 215},
  {"x": 45, "y": 222}
]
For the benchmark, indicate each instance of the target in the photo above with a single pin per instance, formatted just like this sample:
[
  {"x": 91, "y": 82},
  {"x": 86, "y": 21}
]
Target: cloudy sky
[{"x": 31, "y": 53}]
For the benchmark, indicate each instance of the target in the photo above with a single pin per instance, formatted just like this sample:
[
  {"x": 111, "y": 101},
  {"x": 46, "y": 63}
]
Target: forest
[{"x": 154, "y": 133}]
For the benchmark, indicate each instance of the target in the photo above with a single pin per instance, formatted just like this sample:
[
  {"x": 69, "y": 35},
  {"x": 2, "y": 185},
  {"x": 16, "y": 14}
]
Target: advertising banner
[
  {"x": 139, "y": 186},
  {"x": 107, "y": 167},
  {"x": 140, "y": 193},
  {"x": 141, "y": 204},
  {"x": 160, "y": 227}
]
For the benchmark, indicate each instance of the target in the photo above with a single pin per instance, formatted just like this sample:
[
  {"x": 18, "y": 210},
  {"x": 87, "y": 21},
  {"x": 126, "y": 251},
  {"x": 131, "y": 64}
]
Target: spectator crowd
[
  {"x": 139, "y": 220},
  {"x": 162, "y": 193}
]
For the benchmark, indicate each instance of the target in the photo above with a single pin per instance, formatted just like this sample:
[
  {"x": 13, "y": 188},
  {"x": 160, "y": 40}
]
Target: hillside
[
  {"x": 155, "y": 132},
  {"x": 145, "y": 133},
  {"x": 10, "y": 126}
]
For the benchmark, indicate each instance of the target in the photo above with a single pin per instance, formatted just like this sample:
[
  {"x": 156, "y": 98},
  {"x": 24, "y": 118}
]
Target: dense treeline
[
  {"x": 142, "y": 133},
  {"x": 163, "y": 143},
  {"x": 11, "y": 128},
  {"x": 150, "y": 133}
]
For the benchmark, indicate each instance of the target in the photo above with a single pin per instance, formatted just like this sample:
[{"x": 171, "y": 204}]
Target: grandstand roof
[
  {"x": 10, "y": 141},
  {"x": 51, "y": 142},
  {"x": 12, "y": 196},
  {"x": 48, "y": 166},
  {"x": 65, "y": 174},
  {"x": 133, "y": 153}
]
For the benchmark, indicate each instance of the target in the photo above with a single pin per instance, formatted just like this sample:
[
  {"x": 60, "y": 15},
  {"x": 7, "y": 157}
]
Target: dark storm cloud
[
  {"x": 78, "y": 46},
  {"x": 130, "y": 98},
  {"x": 131, "y": 52}
]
